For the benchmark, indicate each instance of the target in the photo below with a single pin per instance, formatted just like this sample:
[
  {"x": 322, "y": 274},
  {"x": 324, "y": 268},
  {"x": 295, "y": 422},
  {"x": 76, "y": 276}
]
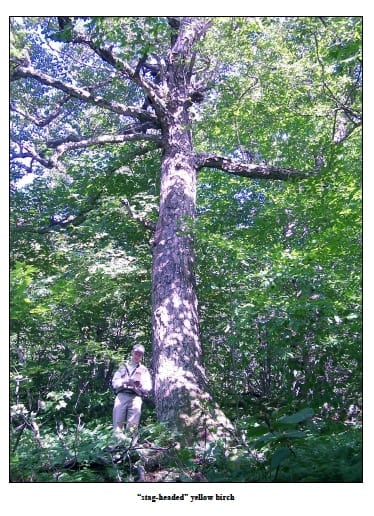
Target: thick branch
[
  {"x": 32, "y": 153},
  {"x": 191, "y": 30},
  {"x": 82, "y": 93},
  {"x": 64, "y": 146},
  {"x": 238, "y": 167},
  {"x": 102, "y": 140},
  {"x": 153, "y": 91},
  {"x": 67, "y": 144}
]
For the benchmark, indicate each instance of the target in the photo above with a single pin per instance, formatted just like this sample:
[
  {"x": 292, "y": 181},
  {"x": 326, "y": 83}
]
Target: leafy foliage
[{"x": 278, "y": 264}]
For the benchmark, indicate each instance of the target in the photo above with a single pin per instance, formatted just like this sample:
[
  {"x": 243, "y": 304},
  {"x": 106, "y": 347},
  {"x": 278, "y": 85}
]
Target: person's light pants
[{"x": 126, "y": 410}]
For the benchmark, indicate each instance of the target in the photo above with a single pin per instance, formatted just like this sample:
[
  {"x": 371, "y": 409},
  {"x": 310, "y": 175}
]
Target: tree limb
[
  {"x": 70, "y": 220},
  {"x": 41, "y": 122},
  {"x": 191, "y": 30},
  {"x": 241, "y": 168},
  {"x": 106, "y": 54},
  {"x": 32, "y": 153},
  {"x": 101, "y": 140},
  {"x": 148, "y": 224},
  {"x": 82, "y": 93},
  {"x": 65, "y": 145},
  {"x": 355, "y": 118},
  {"x": 72, "y": 143}
]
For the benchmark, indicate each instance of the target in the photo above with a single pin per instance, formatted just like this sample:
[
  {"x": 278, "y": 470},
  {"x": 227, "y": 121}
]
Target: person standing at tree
[{"x": 131, "y": 382}]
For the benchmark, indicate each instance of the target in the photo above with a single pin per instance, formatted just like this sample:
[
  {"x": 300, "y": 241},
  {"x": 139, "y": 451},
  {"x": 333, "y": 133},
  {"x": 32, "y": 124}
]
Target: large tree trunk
[{"x": 181, "y": 389}]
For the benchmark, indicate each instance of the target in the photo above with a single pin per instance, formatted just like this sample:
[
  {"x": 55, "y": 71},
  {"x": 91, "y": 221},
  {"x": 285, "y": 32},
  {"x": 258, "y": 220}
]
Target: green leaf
[
  {"x": 298, "y": 417},
  {"x": 279, "y": 456},
  {"x": 294, "y": 434}
]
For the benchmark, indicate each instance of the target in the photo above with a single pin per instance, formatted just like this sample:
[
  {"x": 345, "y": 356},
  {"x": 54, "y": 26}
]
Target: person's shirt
[{"x": 132, "y": 371}]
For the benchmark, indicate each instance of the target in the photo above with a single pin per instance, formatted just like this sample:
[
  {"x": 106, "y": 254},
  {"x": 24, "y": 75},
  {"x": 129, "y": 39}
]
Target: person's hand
[{"x": 137, "y": 387}]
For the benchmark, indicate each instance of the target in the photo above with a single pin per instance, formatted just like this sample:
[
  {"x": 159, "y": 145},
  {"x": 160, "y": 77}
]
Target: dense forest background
[{"x": 278, "y": 263}]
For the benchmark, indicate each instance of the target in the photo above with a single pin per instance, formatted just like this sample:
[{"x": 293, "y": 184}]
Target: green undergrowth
[{"x": 297, "y": 447}]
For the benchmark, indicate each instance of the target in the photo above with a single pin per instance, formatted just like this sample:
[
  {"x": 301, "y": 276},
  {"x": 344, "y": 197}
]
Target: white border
[{"x": 267, "y": 499}]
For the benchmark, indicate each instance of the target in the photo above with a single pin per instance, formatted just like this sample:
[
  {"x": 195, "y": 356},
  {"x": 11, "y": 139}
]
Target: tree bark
[{"x": 181, "y": 386}]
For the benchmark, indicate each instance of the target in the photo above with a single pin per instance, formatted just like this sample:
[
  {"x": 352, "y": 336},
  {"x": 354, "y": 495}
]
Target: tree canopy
[{"x": 158, "y": 161}]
